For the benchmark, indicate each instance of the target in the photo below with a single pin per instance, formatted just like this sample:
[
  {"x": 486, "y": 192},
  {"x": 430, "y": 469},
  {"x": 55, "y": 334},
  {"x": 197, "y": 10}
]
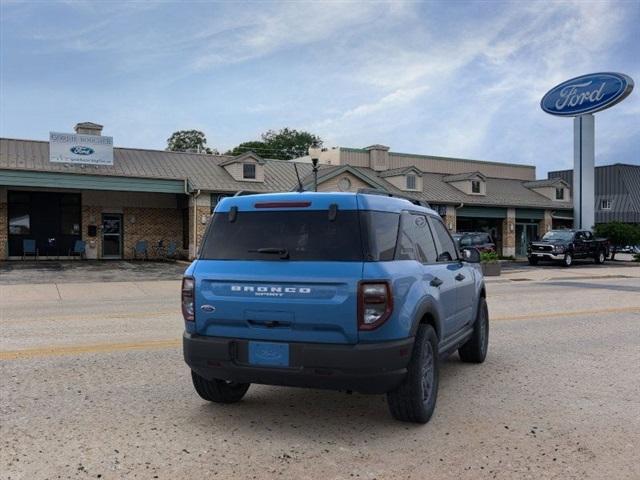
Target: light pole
[
  {"x": 314, "y": 152},
  {"x": 314, "y": 162}
]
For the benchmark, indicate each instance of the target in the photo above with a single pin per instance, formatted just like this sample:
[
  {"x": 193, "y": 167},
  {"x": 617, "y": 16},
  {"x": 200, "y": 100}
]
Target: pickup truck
[{"x": 565, "y": 246}]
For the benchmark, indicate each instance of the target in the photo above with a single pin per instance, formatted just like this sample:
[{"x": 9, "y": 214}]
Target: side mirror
[{"x": 470, "y": 255}]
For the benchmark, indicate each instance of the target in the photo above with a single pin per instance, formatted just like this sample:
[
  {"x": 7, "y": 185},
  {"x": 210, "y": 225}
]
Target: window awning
[{"x": 28, "y": 178}]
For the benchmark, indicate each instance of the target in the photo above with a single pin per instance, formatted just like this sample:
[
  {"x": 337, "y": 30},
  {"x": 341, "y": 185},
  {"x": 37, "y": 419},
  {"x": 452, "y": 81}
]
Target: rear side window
[
  {"x": 379, "y": 234},
  {"x": 466, "y": 241},
  {"x": 479, "y": 239},
  {"x": 415, "y": 241},
  {"x": 446, "y": 248},
  {"x": 304, "y": 235}
]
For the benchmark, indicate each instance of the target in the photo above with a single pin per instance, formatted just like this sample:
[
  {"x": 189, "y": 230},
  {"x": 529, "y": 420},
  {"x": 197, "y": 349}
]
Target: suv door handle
[
  {"x": 436, "y": 282},
  {"x": 459, "y": 277}
]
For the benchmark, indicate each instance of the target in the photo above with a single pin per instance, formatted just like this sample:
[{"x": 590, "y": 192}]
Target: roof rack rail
[
  {"x": 244, "y": 193},
  {"x": 384, "y": 193}
]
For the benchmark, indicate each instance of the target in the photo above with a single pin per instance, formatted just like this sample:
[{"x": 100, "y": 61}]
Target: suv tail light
[
  {"x": 187, "y": 299},
  {"x": 375, "y": 304}
]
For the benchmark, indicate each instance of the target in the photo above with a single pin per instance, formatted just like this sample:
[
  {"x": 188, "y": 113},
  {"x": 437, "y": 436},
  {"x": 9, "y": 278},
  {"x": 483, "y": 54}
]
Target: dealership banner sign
[{"x": 80, "y": 149}]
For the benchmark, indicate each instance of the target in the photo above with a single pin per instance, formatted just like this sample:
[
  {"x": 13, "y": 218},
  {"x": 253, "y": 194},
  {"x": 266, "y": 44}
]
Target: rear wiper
[{"x": 283, "y": 252}]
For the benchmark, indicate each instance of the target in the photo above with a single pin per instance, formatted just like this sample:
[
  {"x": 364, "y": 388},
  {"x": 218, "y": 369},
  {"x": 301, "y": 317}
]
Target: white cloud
[{"x": 484, "y": 81}]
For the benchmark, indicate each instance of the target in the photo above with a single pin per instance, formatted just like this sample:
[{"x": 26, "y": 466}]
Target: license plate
[
  {"x": 269, "y": 354},
  {"x": 539, "y": 255}
]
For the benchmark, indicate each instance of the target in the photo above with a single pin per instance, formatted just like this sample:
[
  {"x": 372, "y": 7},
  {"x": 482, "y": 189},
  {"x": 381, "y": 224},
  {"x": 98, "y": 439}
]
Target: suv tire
[
  {"x": 414, "y": 400},
  {"x": 533, "y": 261},
  {"x": 600, "y": 257},
  {"x": 219, "y": 391},
  {"x": 567, "y": 261},
  {"x": 475, "y": 350}
]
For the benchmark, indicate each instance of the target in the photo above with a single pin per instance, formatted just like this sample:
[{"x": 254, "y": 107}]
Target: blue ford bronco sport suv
[{"x": 347, "y": 291}]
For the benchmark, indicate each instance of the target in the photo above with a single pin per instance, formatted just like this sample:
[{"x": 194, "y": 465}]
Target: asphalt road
[{"x": 94, "y": 386}]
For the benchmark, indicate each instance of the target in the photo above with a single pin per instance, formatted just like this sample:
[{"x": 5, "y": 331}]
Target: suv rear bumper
[{"x": 365, "y": 368}]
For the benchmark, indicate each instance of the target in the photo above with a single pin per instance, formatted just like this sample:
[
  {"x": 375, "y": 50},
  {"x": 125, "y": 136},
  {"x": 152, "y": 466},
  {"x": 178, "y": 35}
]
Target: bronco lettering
[{"x": 274, "y": 289}]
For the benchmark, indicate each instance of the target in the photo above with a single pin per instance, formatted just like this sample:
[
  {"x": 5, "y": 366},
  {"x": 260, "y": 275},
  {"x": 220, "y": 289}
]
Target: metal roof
[
  {"x": 547, "y": 182},
  {"x": 205, "y": 172},
  {"x": 463, "y": 176},
  {"x": 400, "y": 171},
  {"x": 620, "y": 184},
  {"x": 500, "y": 191}
]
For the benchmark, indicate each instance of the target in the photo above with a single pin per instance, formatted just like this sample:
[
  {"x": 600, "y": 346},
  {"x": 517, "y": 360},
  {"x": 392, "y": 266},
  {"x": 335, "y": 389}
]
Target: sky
[{"x": 451, "y": 78}]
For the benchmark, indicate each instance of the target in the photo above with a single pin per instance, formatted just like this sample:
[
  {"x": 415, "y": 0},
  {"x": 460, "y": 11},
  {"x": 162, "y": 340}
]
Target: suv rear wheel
[
  {"x": 600, "y": 257},
  {"x": 415, "y": 399},
  {"x": 475, "y": 350},
  {"x": 219, "y": 391}
]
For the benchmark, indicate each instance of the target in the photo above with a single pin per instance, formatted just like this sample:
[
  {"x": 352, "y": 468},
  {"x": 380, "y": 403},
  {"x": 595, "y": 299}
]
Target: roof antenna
[{"x": 300, "y": 187}]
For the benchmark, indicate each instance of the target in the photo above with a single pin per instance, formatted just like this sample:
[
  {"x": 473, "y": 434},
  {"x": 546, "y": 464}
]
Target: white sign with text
[{"x": 85, "y": 149}]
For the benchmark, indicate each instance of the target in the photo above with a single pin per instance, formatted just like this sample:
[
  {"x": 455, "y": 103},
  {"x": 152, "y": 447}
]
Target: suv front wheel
[
  {"x": 219, "y": 391},
  {"x": 415, "y": 399}
]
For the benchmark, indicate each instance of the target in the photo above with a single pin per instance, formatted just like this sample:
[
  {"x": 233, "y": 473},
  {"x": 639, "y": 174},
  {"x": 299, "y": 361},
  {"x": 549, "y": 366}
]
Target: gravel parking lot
[{"x": 94, "y": 386}]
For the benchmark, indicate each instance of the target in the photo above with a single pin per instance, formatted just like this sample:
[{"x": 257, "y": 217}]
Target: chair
[
  {"x": 142, "y": 249},
  {"x": 172, "y": 249},
  {"x": 29, "y": 248},
  {"x": 79, "y": 248},
  {"x": 159, "y": 249}
]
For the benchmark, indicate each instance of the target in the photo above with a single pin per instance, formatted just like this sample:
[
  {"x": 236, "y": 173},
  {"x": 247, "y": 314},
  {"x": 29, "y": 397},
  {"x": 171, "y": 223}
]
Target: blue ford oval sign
[
  {"x": 80, "y": 150},
  {"x": 587, "y": 94}
]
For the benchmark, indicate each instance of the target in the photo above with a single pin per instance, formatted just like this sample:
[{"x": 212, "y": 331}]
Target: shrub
[
  {"x": 488, "y": 257},
  {"x": 619, "y": 234}
]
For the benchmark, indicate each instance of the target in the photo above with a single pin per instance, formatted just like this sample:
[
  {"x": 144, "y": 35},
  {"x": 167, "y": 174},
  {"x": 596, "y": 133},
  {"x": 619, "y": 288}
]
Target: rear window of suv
[{"x": 304, "y": 235}]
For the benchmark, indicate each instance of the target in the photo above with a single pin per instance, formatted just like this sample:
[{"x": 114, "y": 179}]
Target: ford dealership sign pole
[{"x": 580, "y": 97}]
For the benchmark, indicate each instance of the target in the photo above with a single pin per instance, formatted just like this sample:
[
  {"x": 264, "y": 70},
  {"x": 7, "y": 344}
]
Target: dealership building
[{"x": 113, "y": 198}]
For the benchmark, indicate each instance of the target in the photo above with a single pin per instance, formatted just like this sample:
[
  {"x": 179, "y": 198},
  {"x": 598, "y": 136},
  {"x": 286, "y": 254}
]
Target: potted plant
[{"x": 490, "y": 264}]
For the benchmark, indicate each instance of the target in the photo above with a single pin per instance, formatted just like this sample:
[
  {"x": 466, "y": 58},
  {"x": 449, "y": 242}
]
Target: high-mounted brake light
[
  {"x": 188, "y": 309},
  {"x": 375, "y": 304},
  {"x": 282, "y": 204}
]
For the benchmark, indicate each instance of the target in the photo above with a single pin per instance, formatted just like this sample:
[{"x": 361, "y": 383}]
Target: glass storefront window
[{"x": 19, "y": 220}]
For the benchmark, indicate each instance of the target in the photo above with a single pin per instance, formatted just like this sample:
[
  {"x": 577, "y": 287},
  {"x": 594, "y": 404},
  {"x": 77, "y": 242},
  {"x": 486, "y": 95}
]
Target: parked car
[
  {"x": 480, "y": 240},
  {"x": 346, "y": 291},
  {"x": 628, "y": 249},
  {"x": 566, "y": 245}
]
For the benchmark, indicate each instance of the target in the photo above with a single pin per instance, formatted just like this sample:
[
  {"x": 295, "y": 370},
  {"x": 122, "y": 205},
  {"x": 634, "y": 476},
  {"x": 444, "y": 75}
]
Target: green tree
[
  {"x": 619, "y": 234},
  {"x": 257, "y": 147},
  {"x": 284, "y": 144},
  {"x": 188, "y": 141},
  {"x": 287, "y": 144}
]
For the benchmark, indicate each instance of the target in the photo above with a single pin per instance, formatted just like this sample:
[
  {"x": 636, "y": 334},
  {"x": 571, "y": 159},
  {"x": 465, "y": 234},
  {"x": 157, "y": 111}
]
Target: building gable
[{"x": 247, "y": 167}]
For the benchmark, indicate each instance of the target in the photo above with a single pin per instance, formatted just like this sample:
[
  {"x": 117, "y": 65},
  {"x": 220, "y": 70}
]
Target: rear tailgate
[
  {"x": 303, "y": 302},
  {"x": 282, "y": 267}
]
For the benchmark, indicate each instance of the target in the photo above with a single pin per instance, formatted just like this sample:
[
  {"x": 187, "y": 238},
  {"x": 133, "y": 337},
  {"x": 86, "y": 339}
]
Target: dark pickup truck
[{"x": 564, "y": 246}]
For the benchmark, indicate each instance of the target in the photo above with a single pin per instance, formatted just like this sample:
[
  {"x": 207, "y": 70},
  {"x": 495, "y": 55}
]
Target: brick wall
[
  {"x": 92, "y": 216},
  {"x": 509, "y": 233},
  {"x": 545, "y": 224},
  {"x": 152, "y": 225},
  {"x": 139, "y": 223},
  {"x": 450, "y": 219},
  {"x": 202, "y": 213}
]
